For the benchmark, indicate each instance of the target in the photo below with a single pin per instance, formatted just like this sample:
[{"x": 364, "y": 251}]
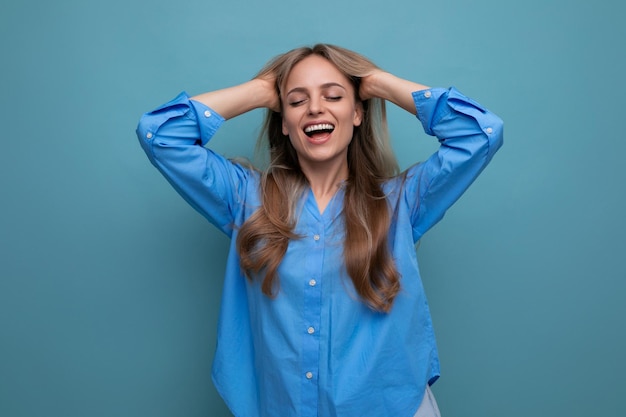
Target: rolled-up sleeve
[
  {"x": 173, "y": 137},
  {"x": 469, "y": 136}
]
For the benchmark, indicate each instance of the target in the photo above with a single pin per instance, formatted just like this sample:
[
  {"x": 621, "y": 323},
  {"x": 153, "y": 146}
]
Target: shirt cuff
[
  {"x": 208, "y": 120},
  {"x": 426, "y": 105},
  {"x": 434, "y": 104},
  {"x": 150, "y": 122}
]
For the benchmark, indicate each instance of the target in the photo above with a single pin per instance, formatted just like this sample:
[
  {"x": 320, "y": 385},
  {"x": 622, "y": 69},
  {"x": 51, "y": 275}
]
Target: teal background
[{"x": 110, "y": 283}]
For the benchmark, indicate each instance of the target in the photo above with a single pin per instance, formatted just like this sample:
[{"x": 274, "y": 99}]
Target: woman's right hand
[{"x": 269, "y": 92}]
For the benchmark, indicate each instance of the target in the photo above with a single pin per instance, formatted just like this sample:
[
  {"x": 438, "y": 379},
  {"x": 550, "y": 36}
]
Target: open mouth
[{"x": 318, "y": 130}]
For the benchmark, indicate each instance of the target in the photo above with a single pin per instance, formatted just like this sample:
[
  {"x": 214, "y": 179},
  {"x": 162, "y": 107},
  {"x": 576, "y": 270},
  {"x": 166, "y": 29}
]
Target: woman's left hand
[{"x": 369, "y": 84}]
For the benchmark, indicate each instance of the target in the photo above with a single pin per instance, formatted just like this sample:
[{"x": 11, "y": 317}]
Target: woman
[{"x": 323, "y": 311}]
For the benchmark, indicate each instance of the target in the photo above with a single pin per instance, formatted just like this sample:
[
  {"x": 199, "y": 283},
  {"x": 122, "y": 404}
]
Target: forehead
[{"x": 314, "y": 71}]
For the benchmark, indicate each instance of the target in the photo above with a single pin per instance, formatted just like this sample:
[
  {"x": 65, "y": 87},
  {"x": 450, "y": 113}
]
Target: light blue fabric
[{"x": 316, "y": 349}]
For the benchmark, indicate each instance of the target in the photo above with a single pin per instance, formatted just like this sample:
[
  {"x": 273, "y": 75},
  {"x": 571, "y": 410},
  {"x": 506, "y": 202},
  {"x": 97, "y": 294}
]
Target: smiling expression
[{"x": 319, "y": 112}]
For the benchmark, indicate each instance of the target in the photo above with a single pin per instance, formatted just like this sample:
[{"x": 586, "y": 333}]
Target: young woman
[{"x": 323, "y": 311}]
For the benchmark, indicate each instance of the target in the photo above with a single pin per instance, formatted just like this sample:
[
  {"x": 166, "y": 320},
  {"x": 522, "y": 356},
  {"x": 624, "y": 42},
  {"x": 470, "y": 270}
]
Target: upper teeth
[{"x": 321, "y": 126}]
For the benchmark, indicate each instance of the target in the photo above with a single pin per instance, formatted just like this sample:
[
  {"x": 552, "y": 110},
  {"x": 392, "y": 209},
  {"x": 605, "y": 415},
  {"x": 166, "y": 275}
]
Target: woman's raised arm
[
  {"x": 232, "y": 101},
  {"x": 384, "y": 85}
]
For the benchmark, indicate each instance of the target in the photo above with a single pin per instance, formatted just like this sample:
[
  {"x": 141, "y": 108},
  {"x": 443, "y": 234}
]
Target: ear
[
  {"x": 358, "y": 113},
  {"x": 285, "y": 131}
]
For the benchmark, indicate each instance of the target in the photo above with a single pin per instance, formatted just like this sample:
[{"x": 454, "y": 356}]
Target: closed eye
[
  {"x": 297, "y": 103},
  {"x": 334, "y": 98}
]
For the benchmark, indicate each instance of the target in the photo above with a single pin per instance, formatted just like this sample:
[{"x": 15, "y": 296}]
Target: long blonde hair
[{"x": 263, "y": 239}]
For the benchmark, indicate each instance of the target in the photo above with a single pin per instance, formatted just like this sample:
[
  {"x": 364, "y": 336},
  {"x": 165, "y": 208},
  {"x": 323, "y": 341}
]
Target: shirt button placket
[{"x": 311, "y": 315}]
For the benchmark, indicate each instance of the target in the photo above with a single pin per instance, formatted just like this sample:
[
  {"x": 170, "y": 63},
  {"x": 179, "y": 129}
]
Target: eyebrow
[{"x": 323, "y": 87}]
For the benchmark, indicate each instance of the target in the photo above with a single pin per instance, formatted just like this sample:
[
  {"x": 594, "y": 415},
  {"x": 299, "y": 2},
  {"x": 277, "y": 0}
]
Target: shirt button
[
  {"x": 310, "y": 330},
  {"x": 316, "y": 237},
  {"x": 312, "y": 283},
  {"x": 149, "y": 135},
  {"x": 489, "y": 131},
  {"x": 309, "y": 375},
  {"x": 427, "y": 94},
  {"x": 207, "y": 113}
]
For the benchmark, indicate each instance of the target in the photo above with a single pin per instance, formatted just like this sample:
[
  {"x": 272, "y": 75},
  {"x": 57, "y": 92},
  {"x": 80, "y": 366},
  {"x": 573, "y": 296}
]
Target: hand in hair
[
  {"x": 369, "y": 83},
  {"x": 267, "y": 81}
]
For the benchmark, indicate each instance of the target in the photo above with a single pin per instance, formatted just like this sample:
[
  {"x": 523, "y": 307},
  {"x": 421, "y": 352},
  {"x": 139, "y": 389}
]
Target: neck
[{"x": 325, "y": 179}]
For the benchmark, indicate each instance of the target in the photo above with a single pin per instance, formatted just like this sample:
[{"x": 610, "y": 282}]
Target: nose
[{"x": 316, "y": 106}]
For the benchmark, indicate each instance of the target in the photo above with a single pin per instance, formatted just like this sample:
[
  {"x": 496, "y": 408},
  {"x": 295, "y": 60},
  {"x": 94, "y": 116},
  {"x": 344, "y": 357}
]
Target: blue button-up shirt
[{"x": 316, "y": 349}]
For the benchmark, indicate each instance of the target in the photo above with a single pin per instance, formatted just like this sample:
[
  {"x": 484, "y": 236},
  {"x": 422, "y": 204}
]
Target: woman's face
[{"x": 319, "y": 112}]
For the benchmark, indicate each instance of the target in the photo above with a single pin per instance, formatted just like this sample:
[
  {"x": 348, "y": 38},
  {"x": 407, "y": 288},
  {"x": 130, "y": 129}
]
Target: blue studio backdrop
[{"x": 110, "y": 283}]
